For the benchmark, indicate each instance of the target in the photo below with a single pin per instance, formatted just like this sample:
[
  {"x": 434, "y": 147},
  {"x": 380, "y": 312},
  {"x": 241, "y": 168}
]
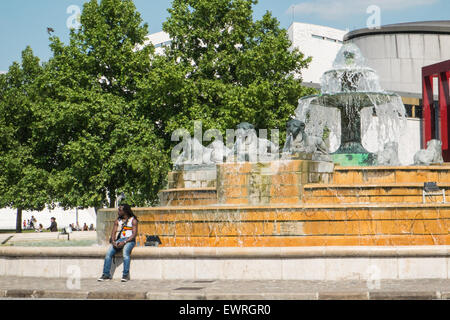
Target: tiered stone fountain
[{"x": 307, "y": 198}]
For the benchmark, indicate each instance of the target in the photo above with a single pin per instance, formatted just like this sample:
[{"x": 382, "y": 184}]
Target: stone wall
[
  {"x": 277, "y": 182},
  {"x": 319, "y": 263}
]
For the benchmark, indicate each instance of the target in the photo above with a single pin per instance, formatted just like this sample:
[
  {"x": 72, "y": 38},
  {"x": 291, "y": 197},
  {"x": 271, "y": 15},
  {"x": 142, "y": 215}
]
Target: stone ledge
[
  {"x": 117, "y": 295},
  {"x": 233, "y": 253},
  {"x": 343, "y": 296},
  {"x": 290, "y": 207},
  {"x": 19, "y": 293},
  {"x": 445, "y": 166},
  {"x": 445, "y": 295},
  {"x": 73, "y": 295},
  {"x": 404, "y": 295},
  {"x": 189, "y": 190},
  {"x": 371, "y": 185},
  {"x": 128, "y": 295}
]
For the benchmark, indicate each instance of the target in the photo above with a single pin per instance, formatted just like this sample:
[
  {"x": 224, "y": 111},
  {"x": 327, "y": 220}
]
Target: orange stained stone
[
  {"x": 444, "y": 176},
  {"x": 344, "y": 177},
  {"x": 416, "y": 176},
  {"x": 235, "y": 180},
  {"x": 286, "y": 178},
  {"x": 237, "y": 201},
  {"x": 289, "y": 241},
  {"x": 382, "y": 176},
  {"x": 284, "y": 191},
  {"x": 285, "y": 200},
  {"x": 302, "y": 214},
  {"x": 291, "y": 166},
  {"x": 235, "y": 192}
]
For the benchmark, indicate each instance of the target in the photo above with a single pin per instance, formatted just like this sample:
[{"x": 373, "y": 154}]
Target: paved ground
[
  {"x": 38, "y": 288},
  {"x": 45, "y": 236}
]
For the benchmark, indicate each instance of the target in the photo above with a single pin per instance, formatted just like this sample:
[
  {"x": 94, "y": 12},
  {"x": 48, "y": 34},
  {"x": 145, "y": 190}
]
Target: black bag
[{"x": 152, "y": 241}]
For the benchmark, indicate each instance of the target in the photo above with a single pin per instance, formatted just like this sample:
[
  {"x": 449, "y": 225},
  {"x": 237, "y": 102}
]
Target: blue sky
[{"x": 25, "y": 22}]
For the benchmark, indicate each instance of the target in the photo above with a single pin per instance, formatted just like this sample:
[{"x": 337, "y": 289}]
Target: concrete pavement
[
  {"x": 38, "y": 288},
  {"x": 45, "y": 236}
]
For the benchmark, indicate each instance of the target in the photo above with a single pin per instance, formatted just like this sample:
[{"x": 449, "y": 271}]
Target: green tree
[
  {"x": 223, "y": 68},
  {"x": 23, "y": 177},
  {"x": 99, "y": 143}
]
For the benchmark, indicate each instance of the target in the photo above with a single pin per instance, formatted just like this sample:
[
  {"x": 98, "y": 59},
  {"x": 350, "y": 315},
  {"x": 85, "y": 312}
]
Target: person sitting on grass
[
  {"x": 127, "y": 223},
  {"x": 53, "y": 225}
]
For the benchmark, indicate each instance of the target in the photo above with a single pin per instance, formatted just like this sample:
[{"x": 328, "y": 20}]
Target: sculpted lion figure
[
  {"x": 389, "y": 155},
  {"x": 248, "y": 147},
  {"x": 217, "y": 152},
  {"x": 299, "y": 142},
  {"x": 193, "y": 152},
  {"x": 432, "y": 154}
]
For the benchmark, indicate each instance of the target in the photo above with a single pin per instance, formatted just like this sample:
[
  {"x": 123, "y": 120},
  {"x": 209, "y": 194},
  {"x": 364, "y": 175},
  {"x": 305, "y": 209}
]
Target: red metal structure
[{"x": 442, "y": 72}]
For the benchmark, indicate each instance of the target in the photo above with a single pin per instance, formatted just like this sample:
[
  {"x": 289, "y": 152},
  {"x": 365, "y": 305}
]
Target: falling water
[{"x": 353, "y": 88}]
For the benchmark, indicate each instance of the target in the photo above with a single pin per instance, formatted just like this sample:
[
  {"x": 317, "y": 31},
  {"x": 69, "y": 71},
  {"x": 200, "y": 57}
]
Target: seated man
[{"x": 53, "y": 225}]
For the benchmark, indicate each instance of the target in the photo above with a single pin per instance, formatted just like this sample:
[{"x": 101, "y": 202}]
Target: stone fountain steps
[
  {"x": 295, "y": 225},
  {"x": 297, "y": 203},
  {"x": 371, "y": 193},
  {"x": 188, "y": 197},
  {"x": 397, "y": 175},
  {"x": 306, "y": 241}
]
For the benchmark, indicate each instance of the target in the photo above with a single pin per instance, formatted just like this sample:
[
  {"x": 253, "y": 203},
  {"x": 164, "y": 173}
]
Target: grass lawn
[
  {"x": 53, "y": 243},
  {"x": 23, "y": 231}
]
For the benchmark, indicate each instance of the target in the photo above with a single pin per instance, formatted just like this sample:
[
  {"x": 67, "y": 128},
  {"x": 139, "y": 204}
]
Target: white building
[
  {"x": 159, "y": 40},
  {"x": 319, "y": 42}
]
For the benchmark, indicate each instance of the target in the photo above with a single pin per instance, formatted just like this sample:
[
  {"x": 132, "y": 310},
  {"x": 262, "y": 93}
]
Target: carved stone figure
[
  {"x": 194, "y": 153},
  {"x": 217, "y": 152},
  {"x": 432, "y": 154},
  {"x": 248, "y": 147},
  {"x": 389, "y": 155},
  {"x": 298, "y": 142}
]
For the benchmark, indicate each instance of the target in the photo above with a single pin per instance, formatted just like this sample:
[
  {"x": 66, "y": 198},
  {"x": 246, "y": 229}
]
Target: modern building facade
[
  {"x": 398, "y": 52},
  {"x": 318, "y": 42}
]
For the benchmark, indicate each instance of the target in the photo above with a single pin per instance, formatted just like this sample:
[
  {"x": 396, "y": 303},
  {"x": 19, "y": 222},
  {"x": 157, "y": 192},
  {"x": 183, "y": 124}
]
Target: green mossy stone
[{"x": 354, "y": 159}]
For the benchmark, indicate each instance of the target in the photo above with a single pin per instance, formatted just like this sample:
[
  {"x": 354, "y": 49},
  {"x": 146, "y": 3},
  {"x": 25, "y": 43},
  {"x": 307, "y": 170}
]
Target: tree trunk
[
  {"x": 112, "y": 200},
  {"x": 19, "y": 220}
]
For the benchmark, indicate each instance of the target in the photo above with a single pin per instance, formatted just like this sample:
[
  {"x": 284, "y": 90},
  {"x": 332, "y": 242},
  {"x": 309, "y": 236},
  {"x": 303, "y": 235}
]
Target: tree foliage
[
  {"x": 224, "y": 68},
  {"x": 23, "y": 179},
  {"x": 79, "y": 124},
  {"x": 102, "y": 146},
  {"x": 95, "y": 120}
]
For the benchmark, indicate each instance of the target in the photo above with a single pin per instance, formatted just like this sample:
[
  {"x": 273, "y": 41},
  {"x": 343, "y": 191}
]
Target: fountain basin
[
  {"x": 353, "y": 206},
  {"x": 351, "y": 152}
]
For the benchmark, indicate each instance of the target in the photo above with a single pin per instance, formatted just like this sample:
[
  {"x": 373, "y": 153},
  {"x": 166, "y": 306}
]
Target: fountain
[
  {"x": 354, "y": 90},
  {"x": 308, "y": 196},
  {"x": 309, "y": 199}
]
